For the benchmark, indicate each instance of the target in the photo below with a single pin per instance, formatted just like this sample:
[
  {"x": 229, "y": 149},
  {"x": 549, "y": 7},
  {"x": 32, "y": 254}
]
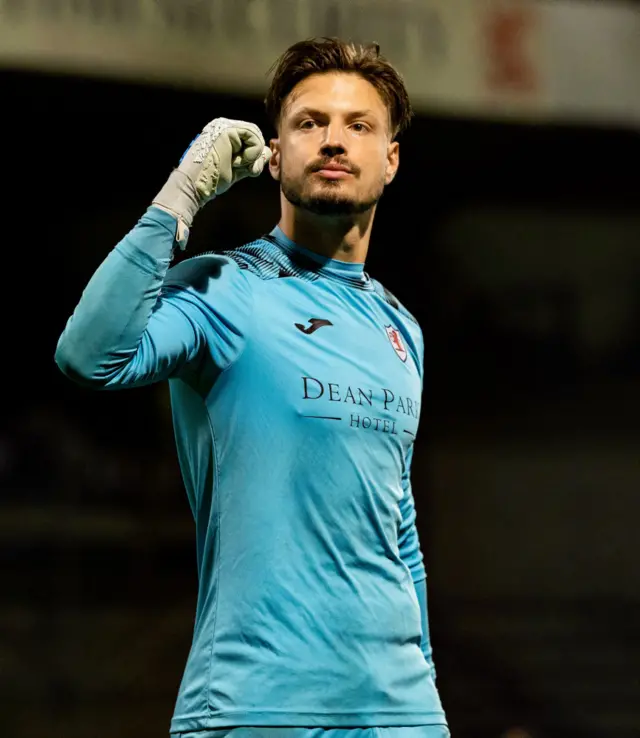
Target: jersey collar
[{"x": 350, "y": 272}]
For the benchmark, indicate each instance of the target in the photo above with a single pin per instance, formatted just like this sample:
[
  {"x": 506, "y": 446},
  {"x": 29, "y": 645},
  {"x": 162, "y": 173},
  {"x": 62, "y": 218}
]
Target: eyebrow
[{"x": 313, "y": 112}]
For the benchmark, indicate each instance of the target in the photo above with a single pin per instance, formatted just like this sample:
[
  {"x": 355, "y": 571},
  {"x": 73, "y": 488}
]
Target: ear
[
  {"x": 393, "y": 162},
  {"x": 274, "y": 162}
]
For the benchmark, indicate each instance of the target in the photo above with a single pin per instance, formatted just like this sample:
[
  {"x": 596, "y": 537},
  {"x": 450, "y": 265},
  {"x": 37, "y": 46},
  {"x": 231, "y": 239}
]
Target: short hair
[{"x": 325, "y": 54}]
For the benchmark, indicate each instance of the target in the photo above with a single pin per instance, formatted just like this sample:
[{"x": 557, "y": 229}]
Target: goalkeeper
[{"x": 295, "y": 383}]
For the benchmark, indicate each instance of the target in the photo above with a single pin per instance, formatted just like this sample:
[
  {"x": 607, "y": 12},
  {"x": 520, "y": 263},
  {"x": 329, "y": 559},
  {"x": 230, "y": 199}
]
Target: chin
[
  {"x": 330, "y": 198},
  {"x": 335, "y": 206}
]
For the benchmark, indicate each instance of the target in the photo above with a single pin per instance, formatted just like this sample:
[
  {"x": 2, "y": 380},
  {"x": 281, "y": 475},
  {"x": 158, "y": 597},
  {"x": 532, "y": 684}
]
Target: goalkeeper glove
[{"x": 225, "y": 152}]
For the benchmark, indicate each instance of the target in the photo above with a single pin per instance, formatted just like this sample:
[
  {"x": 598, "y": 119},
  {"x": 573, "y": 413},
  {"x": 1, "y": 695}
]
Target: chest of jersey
[{"x": 326, "y": 355}]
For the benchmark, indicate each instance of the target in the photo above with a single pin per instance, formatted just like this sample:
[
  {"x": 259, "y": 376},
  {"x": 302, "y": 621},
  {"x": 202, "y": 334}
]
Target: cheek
[
  {"x": 292, "y": 158},
  {"x": 378, "y": 171},
  {"x": 377, "y": 152}
]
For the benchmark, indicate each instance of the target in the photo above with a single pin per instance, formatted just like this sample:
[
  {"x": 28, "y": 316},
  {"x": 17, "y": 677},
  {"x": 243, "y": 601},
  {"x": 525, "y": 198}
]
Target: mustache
[{"x": 322, "y": 163}]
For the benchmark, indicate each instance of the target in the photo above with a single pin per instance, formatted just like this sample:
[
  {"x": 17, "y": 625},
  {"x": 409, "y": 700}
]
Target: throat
[{"x": 343, "y": 239}]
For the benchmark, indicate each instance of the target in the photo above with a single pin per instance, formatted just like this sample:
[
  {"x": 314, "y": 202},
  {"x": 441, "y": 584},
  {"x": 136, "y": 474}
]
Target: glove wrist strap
[{"x": 179, "y": 197}]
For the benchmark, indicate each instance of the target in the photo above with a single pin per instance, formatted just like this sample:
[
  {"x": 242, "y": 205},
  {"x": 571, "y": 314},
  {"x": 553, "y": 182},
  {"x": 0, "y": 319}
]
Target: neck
[{"x": 345, "y": 238}]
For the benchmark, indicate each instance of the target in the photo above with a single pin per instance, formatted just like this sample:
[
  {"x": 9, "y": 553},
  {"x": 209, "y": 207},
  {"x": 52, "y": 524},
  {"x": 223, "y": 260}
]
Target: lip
[{"x": 334, "y": 172}]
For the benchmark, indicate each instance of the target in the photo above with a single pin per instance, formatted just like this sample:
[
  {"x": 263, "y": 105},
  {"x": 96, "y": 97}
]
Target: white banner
[{"x": 565, "y": 60}]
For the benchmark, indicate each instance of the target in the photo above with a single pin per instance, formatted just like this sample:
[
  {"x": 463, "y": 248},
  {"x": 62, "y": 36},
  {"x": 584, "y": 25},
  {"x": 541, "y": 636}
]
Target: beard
[{"x": 328, "y": 200}]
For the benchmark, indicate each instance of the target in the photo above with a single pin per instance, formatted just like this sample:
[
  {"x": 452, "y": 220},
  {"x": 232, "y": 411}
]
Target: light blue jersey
[{"x": 295, "y": 384}]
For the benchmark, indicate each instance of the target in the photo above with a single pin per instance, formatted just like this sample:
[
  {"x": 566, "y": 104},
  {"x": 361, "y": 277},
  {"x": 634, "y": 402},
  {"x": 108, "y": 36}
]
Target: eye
[
  {"x": 359, "y": 127},
  {"x": 308, "y": 124}
]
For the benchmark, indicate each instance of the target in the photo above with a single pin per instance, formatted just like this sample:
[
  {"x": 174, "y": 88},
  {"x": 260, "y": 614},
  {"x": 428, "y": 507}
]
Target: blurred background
[{"x": 512, "y": 233}]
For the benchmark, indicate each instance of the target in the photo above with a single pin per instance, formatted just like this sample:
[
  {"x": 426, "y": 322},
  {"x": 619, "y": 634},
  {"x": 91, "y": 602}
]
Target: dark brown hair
[{"x": 319, "y": 55}]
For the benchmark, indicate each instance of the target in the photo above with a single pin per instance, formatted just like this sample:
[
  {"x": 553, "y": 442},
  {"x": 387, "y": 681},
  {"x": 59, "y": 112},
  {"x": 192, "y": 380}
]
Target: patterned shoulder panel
[
  {"x": 267, "y": 261},
  {"x": 393, "y": 301}
]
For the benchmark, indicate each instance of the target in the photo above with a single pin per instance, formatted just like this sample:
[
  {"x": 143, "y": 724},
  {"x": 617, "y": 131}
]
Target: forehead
[{"x": 335, "y": 93}]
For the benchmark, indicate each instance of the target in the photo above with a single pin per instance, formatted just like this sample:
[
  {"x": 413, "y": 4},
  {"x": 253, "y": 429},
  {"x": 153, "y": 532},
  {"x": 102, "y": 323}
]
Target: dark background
[{"x": 516, "y": 246}]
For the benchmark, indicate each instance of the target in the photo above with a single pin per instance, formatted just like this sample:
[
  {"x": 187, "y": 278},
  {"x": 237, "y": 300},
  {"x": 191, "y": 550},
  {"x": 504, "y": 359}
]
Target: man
[{"x": 295, "y": 383}]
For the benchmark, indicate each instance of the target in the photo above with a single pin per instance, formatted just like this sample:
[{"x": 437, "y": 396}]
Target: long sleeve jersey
[{"x": 295, "y": 385}]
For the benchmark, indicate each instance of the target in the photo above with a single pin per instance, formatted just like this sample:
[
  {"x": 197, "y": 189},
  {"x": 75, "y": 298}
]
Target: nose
[
  {"x": 333, "y": 149},
  {"x": 333, "y": 144}
]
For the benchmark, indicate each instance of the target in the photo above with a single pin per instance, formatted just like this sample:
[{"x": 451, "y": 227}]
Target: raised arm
[{"x": 138, "y": 323}]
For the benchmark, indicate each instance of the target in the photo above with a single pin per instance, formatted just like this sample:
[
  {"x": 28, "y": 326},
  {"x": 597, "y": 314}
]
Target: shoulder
[
  {"x": 397, "y": 306},
  {"x": 260, "y": 258},
  {"x": 234, "y": 271},
  {"x": 197, "y": 271},
  {"x": 209, "y": 282},
  {"x": 404, "y": 321}
]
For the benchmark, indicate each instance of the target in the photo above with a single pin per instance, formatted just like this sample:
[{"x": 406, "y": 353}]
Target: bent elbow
[{"x": 77, "y": 368}]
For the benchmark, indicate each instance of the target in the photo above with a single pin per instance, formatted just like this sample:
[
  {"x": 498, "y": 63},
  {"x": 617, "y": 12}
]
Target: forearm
[
  {"x": 425, "y": 644},
  {"x": 106, "y": 328}
]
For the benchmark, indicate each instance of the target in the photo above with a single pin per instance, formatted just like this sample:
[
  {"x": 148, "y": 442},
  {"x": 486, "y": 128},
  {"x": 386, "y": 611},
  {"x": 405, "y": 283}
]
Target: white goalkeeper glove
[{"x": 225, "y": 152}]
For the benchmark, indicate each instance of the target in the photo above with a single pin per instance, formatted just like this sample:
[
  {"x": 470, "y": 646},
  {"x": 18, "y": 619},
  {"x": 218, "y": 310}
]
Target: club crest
[{"x": 396, "y": 341}]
